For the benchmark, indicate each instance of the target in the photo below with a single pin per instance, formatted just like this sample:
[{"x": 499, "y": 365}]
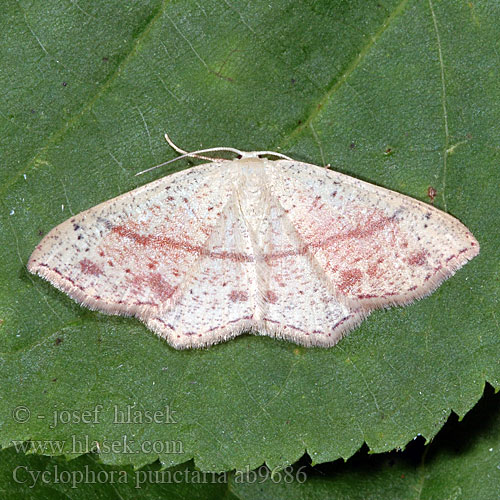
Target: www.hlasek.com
[
  {"x": 22, "y": 474},
  {"x": 78, "y": 445}
]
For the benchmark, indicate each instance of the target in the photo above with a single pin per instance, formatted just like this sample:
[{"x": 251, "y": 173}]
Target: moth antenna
[
  {"x": 272, "y": 153},
  {"x": 179, "y": 150},
  {"x": 194, "y": 154},
  {"x": 241, "y": 153}
]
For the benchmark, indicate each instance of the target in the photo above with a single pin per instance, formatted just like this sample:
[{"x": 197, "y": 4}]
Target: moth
[{"x": 278, "y": 247}]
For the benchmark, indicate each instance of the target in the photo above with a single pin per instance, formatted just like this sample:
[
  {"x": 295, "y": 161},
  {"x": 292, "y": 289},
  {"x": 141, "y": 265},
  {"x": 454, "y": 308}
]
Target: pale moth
[{"x": 278, "y": 247}]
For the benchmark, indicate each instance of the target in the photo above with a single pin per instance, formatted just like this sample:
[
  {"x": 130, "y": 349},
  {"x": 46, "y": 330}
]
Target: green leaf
[
  {"x": 462, "y": 462},
  {"x": 89, "y": 88}
]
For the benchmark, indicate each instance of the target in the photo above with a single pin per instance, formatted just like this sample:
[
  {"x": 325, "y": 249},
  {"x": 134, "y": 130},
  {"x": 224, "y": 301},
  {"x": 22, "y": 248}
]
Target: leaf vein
[
  {"x": 338, "y": 82},
  {"x": 58, "y": 134},
  {"x": 443, "y": 101}
]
